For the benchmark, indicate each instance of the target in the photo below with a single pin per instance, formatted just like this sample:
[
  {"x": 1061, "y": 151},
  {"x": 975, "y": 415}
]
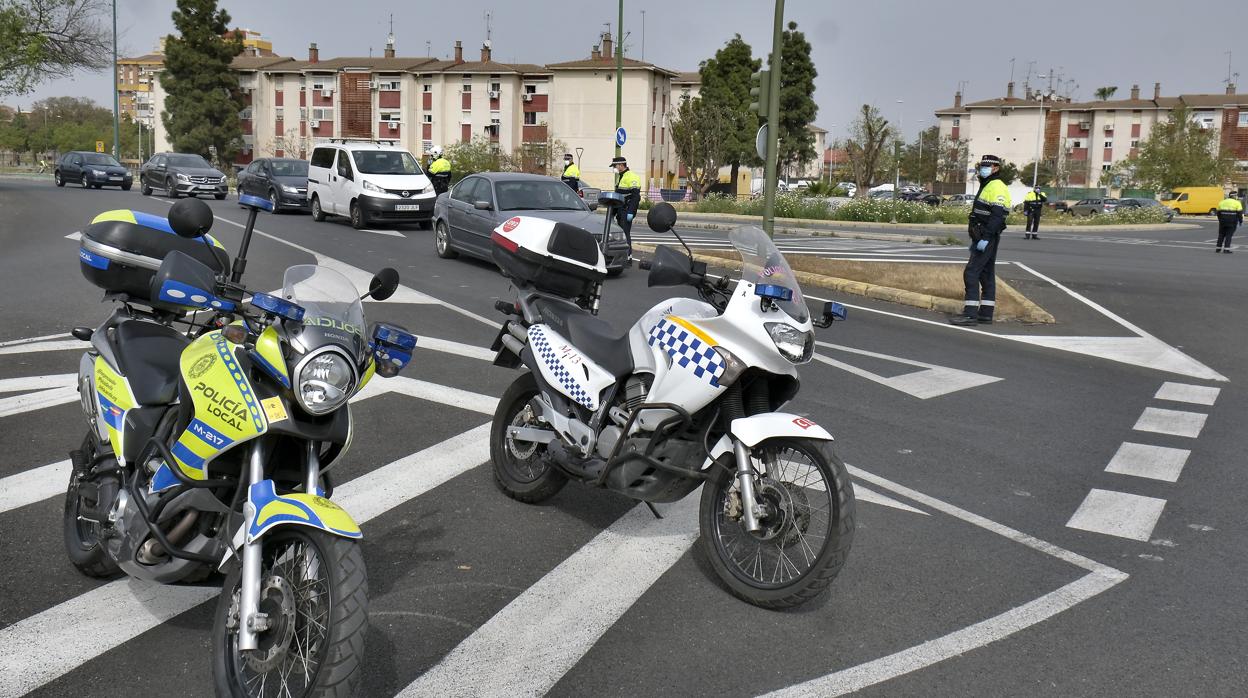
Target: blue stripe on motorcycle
[
  {"x": 93, "y": 260},
  {"x": 208, "y": 435},
  {"x": 188, "y": 457},
  {"x": 163, "y": 479},
  {"x": 270, "y": 369}
]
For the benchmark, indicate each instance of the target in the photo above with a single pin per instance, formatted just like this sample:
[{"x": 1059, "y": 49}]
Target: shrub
[
  {"x": 717, "y": 203},
  {"x": 884, "y": 211},
  {"x": 1126, "y": 216}
]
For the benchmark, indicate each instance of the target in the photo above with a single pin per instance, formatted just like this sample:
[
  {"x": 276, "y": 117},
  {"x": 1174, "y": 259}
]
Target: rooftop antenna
[
  {"x": 1011, "y": 70},
  {"x": 428, "y": 48},
  {"x": 1027, "y": 80},
  {"x": 390, "y": 37},
  {"x": 488, "y": 31},
  {"x": 643, "y": 35},
  {"x": 1230, "y": 76}
]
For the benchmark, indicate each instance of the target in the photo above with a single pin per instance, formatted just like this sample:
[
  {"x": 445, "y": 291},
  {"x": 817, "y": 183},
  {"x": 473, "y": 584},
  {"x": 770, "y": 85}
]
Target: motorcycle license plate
[{"x": 407, "y": 207}]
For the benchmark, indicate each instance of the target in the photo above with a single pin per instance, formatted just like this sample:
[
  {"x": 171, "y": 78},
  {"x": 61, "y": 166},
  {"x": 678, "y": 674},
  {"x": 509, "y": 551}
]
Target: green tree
[
  {"x": 1045, "y": 174},
  {"x": 918, "y": 159},
  {"x": 1104, "y": 93},
  {"x": 42, "y": 39},
  {"x": 1009, "y": 172},
  {"x": 1180, "y": 152},
  {"x": 954, "y": 156},
  {"x": 797, "y": 102},
  {"x": 477, "y": 155},
  {"x": 201, "y": 110},
  {"x": 700, "y": 136},
  {"x": 726, "y": 84},
  {"x": 867, "y": 148}
]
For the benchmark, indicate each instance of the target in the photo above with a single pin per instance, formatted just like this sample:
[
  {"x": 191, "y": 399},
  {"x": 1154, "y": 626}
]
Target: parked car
[
  {"x": 1193, "y": 200},
  {"x": 368, "y": 181},
  {"x": 181, "y": 173},
  {"x": 1145, "y": 203},
  {"x": 1092, "y": 207},
  {"x": 283, "y": 181},
  {"x": 850, "y": 188},
  {"x": 586, "y": 192},
  {"x": 464, "y": 217},
  {"x": 91, "y": 170},
  {"x": 959, "y": 200},
  {"x": 920, "y": 196},
  {"x": 1055, "y": 205},
  {"x": 882, "y": 195}
]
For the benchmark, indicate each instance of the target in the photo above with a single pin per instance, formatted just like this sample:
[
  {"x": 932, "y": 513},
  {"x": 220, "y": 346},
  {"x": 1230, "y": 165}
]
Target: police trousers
[
  {"x": 980, "y": 278},
  {"x": 1033, "y": 222},
  {"x": 1224, "y": 235}
]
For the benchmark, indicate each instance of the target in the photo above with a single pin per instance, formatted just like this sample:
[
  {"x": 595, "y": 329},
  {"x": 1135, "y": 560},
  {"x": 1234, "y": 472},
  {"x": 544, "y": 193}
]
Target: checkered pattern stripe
[
  {"x": 688, "y": 351},
  {"x": 541, "y": 345}
]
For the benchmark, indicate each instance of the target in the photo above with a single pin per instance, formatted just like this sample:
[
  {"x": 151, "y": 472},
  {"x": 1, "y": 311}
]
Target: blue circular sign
[{"x": 620, "y": 136}]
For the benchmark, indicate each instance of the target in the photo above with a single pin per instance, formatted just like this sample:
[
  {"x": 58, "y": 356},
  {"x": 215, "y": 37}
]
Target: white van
[{"x": 367, "y": 182}]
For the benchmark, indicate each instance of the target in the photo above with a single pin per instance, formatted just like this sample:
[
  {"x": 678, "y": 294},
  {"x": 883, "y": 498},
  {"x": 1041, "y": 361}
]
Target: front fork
[
  {"x": 745, "y": 476},
  {"x": 250, "y": 621}
]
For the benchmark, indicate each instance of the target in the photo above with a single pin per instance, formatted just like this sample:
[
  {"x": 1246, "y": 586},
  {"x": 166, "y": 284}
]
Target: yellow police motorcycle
[{"x": 215, "y": 415}]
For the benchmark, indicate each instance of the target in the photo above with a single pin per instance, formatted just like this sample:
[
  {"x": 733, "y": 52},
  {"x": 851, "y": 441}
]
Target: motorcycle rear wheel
[
  {"x": 520, "y": 470},
  {"x": 317, "y": 642},
  {"x": 805, "y": 538}
]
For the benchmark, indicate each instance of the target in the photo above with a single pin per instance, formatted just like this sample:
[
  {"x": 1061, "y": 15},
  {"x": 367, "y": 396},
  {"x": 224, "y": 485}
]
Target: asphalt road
[{"x": 985, "y": 563}]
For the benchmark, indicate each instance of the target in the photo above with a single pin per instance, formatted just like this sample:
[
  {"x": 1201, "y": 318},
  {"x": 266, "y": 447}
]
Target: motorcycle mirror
[
  {"x": 190, "y": 218},
  {"x": 831, "y": 311},
  {"x": 383, "y": 285},
  {"x": 668, "y": 268},
  {"x": 662, "y": 217}
]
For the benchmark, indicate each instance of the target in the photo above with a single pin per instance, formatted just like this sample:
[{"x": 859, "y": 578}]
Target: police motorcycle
[
  {"x": 690, "y": 395},
  {"x": 215, "y": 414}
]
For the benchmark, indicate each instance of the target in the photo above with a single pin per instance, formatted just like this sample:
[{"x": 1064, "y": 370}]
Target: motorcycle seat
[
  {"x": 591, "y": 335},
  {"x": 148, "y": 355}
]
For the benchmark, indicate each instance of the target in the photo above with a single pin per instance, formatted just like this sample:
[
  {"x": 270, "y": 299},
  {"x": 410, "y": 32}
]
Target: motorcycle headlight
[
  {"x": 183, "y": 178},
  {"x": 369, "y": 186},
  {"x": 289, "y": 189},
  {"x": 795, "y": 345},
  {"x": 325, "y": 382}
]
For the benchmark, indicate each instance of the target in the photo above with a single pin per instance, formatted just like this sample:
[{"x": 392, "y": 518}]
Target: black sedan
[
  {"x": 91, "y": 170},
  {"x": 464, "y": 217},
  {"x": 283, "y": 181}
]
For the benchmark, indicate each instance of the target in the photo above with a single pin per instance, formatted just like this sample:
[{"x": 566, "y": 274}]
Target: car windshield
[
  {"x": 386, "y": 162},
  {"x": 764, "y": 264},
  {"x": 333, "y": 312},
  {"x": 100, "y": 159},
  {"x": 537, "y": 195},
  {"x": 188, "y": 161},
  {"x": 289, "y": 168}
]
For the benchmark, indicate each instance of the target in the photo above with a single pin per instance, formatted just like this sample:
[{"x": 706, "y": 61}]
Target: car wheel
[
  {"x": 82, "y": 182},
  {"x": 219, "y": 197},
  {"x": 358, "y": 220},
  {"x": 1213, "y": 211},
  {"x": 171, "y": 190},
  {"x": 56, "y": 177},
  {"x": 317, "y": 214},
  {"x": 144, "y": 189},
  {"x": 1177, "y": 212},
  {"x": 126, "y": 187},
  {"x": 442, "y": 241},
  {"x": 273, "y": 200}
]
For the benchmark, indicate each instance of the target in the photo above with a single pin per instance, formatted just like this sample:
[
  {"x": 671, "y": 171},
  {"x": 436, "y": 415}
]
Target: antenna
[
  {"x": 428, "y": 48},
  {"x": 1011, "y": 70},
  {"x": 390, "y": 37},
  {"x": 643, "y": 35},
  {"x": 488, "y": 29},
  {"x": 1230, "y": 75}
]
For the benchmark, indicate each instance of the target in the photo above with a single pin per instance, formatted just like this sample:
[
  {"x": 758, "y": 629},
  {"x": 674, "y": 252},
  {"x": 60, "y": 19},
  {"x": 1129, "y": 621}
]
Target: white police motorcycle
[{"x": 689, "y": 395}]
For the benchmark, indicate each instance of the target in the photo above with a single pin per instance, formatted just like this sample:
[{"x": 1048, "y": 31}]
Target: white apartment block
[{"x": 1086, "y": 137}]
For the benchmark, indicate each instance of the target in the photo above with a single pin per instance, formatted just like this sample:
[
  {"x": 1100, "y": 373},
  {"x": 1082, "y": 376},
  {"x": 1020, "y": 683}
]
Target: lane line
[
  {"x": 470, "y": 351},
  {"x": 53, "y": 345},
  {"x": 1153, "y": 462},
  {"x": 1183, "y": 392},
  {"x": 1118, "y": 514},
  {"x": 45, "y": 382},
  {"x": 33, "y": 485},
  {"x": 28, "y": 340},
  {"x": 391, "y": 233},
  {"x": 931, "y": 382},
  {"x": 30, "y": 402},
  {"x": 864, "y": 494},
  {"x": 527, "y": 647},
  {"x": 1172, "y": 422}
]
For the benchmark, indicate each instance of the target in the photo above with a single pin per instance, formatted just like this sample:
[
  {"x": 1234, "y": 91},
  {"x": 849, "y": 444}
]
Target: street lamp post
[
  {"x": 116, "y": 94},
  {"x": 921, "y": 122},
  {"x": 901, "y": 120},
  {"x": 1035, "y": 170}
]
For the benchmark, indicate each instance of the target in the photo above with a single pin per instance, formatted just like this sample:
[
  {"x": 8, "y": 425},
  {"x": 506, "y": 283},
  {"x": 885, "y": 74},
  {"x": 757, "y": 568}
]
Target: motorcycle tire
[
  {"x": 529, "y": 479},
  {"x": 82, "y": 542},
  {"x": 828, "y": 560},
  {"x": 339, "y": 652}
]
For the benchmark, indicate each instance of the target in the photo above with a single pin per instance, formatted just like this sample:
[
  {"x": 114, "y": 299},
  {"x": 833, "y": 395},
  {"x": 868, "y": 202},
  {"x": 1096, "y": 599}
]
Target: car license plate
[
  {"x": 114, "y": 176},
  {"x": 407, "y": 207}
]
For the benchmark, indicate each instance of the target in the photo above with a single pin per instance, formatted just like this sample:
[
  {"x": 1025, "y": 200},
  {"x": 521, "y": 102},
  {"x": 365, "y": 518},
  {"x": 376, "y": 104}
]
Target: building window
[
  {"x": 428, "y": 118},
  {"x": 466, "y": 87},
  {"x": 496, "y": 87},
  {"x": 390, "y": 116},
  {"x": 1105, "y": 167},
  {"x": 303, "y": 113},
  {"x": 530, "y": 89},
  {"x": 277, "y": 112},
  {"x": 1076, "y": 144},
  {"x": 1243, "y": 119},
  {"x": 390, "y": 85},
  {"x": 957, "y": 121},
  {"x": 1135, "y": 143},
  {"x": 323, "y": 114},
  {"x": 426, "y": 88},
  {"x": 245, "y": 114},
  {"x": 530, "y": 118},
  {"x": 1109, "y": 144}
]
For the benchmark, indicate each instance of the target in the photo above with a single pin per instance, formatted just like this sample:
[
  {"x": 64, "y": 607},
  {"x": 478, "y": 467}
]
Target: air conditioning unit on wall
[
  {"x": 327, "y": 93},
  {"x": 1109, "y": 127},
  {"x": 1085, "y": 125},
  {"x": 493, "y": 94},
  {"x": 394, "y": 125},
  {"x": 528, "y": 96},
  {"x": 315, "y": 124}
]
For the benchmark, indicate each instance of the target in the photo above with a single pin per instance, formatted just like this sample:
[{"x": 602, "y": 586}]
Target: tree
[
  {"x": 203, "y": 103},
  {"x": 1044, "y": 175},
  {"x": 954, "y": 156},
  {"x": 1009, "y": 172},
  {"x": 540, "y": 157},
  {"x": 478, "y": 155},
  {"x": 700, "y": 134},
  {"x": 1104, "y": 93},
  {"x": 726, "y": 83},
  {"x": 918, "y": 159},
  {"x": 42, "y": 39},
  {"x": 797, "y": 102},
  {"x": 1180, "y": 152},
  {"x": 869, "y": 137}
]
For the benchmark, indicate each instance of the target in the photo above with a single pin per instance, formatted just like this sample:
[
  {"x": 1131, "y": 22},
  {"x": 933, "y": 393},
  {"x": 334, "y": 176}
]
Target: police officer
[
  {"x": 1033, "y": 206},
  {"x": 439, "y": 170},
  {"x": 629, "y": 184},
  {"x": 987, "y": 222},
  {"x": 571, "y": 173},
  {"x": 1230, "y": 217}
]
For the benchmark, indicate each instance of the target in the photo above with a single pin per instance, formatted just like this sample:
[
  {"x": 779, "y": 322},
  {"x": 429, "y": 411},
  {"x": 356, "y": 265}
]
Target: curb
[
  {"x": 801, "y": 226},
  {"x": 1032, "y": 313}
]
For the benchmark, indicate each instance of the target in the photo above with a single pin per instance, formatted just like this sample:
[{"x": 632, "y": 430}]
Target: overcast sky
[{"x": 865, "y": 52}]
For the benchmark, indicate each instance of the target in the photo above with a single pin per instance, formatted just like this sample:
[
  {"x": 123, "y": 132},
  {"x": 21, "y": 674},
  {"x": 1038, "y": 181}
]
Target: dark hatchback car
[
  {"x": 283, "y": 181},
  {"x": 464, "y": 217},
  {"x": 1134, "y": 203},
  {"x": 91, "y": 170},
  {"x": 181, "y": 173}
]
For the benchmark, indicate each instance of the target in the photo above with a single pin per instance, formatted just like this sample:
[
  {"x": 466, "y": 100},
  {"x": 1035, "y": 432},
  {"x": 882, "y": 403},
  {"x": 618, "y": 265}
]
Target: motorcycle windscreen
[
  {"x": 333, "y": 312},
  {"x": 765, "y": 265}
]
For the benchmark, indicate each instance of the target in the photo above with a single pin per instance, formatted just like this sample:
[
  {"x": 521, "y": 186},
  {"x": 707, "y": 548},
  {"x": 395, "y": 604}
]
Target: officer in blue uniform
[{"x": 987, "y": 222}]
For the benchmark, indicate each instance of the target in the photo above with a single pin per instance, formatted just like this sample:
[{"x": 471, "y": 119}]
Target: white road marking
[
  {"x": 537, "y": 638},
  {"x": 74, "y": 236},
  {"x": 1153, "y": 462},
  {"x": 933, "y": 381},
  {"x": 391, "y": 233},
  {"x": 50, "y": 643},
  {"x": 1118, "y": 514},
  {"x": 1099, "y": 579},
  {"x": 38, "y": 347},
  {"x": 1172, "y": 422},
  {"x": 33, "y": 485},
  {"x": 54, "y": 380},
  {"x": 863, "y": 494},
  {"x": 469, "y": 351},
  {"x": 1183, "y": 392},
  {"x": 30, "y": 402},
  {"x": 28, "y": 340}
]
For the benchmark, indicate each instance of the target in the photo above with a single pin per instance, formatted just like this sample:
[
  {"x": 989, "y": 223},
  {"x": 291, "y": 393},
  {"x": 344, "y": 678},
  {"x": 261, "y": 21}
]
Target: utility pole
[
  {"x": 773, "y": 122},
  {"x": 619, "y": 78},
  {"x": 1035, "y": 171},
  {"x": 643, "y": 35},
  {"x": 116, "y": 93}
]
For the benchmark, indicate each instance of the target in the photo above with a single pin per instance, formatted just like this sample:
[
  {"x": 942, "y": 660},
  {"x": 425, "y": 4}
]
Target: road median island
[
  {"x": 935, "y": 287},
  {"x": 815, "y": 227}
]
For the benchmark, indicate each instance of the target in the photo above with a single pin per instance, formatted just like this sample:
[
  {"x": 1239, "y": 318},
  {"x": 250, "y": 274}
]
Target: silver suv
[{"x": 1092, "y": 207}]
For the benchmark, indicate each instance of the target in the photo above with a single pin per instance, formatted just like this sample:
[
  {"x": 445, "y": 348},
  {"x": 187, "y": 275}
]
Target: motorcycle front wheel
[
  {"x": 806, "y": 529},
  {"x": 314, "y": 590}
]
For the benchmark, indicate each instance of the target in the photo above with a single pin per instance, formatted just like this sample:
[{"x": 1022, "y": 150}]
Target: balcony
[{"x": 534, "y": 134}]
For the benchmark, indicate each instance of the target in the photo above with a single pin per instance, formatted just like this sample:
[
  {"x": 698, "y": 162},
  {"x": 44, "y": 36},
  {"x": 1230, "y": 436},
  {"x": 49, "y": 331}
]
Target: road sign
[
  {"x": 99, "y": 146},
  {"x": 760, "y": 142},
  {"x": 620, "y": 136}
]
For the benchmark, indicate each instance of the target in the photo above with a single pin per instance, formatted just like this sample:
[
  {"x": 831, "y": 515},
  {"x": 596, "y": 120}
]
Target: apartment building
[
  {"x": 136, "y": 78},
  {"x": 1087, "y": 138}
]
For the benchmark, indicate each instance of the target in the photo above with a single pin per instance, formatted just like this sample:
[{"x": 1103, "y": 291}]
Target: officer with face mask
[
  {"x": 987, "y": 222},
  {"x": 571, "y": 173},
  {"x": 1033, "y": 206}
]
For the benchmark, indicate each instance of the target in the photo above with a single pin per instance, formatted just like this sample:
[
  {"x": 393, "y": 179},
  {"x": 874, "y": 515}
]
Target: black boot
[
  {"x": 963, "y": 320},
  {"x": 1217, "y": 249}
]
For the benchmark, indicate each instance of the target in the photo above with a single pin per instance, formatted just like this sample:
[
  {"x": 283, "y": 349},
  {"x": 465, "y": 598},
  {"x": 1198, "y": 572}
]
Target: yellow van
[{"x": 1194, "y": 199}]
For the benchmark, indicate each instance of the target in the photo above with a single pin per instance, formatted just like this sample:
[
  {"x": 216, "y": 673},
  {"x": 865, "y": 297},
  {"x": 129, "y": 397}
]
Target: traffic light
[{"x": 760, "y": 92}]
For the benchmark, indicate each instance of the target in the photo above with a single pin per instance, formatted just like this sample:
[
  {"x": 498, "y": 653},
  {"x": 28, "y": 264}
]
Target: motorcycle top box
[
  {"x": 121, "y": 251},
  {"x": 552, "y": 257}
]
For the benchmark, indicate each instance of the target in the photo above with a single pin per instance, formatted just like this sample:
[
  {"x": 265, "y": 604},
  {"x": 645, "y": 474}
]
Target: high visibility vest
[
  {"x": 628, "y": 180},
  {"x": 572, "y": 171},
  {"x": 995, "y": 193},
  {"x": 1229, "y": 204},
  {"x": 439, "y": 166}
]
